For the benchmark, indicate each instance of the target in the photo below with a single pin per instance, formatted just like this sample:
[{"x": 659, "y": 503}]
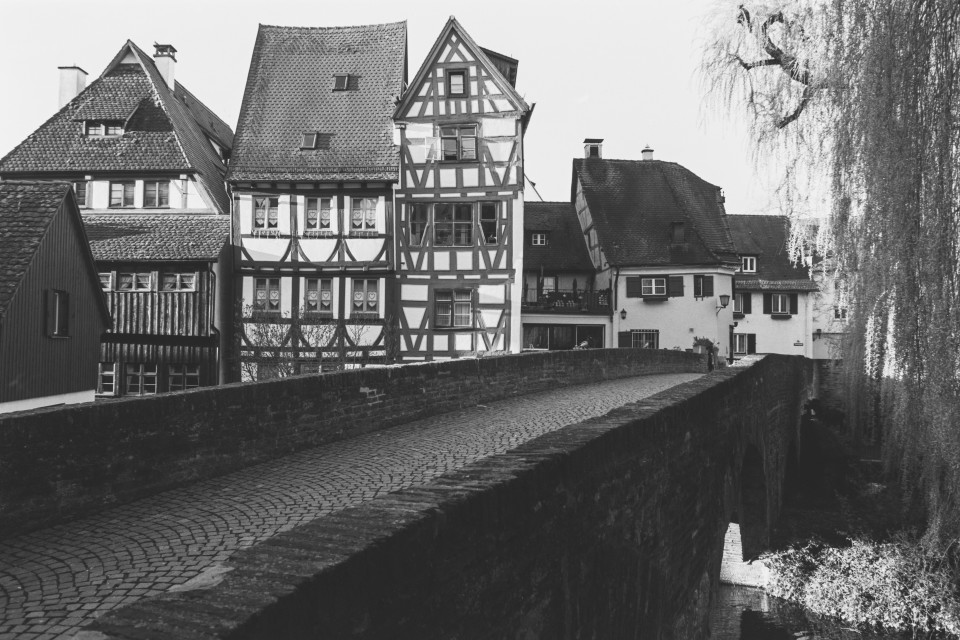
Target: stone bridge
[{"x": 594, "y": 523}]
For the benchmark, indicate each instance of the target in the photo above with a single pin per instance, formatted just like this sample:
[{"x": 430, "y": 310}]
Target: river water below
[{"x": 745, "y": 613}]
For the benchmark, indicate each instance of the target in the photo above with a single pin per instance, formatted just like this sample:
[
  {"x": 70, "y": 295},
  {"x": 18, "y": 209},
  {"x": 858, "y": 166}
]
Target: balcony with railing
[{"x": 566, "y": 301}]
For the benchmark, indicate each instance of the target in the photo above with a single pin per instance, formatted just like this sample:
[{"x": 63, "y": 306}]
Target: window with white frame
[
  {"x": 488, "y": 222},
  {"x": 318, "y": 214},
  {"x": 365, "y": 299},
  {"x": 738, "y": 303},
  {"x": 80, "y": 190},
  {"x": 106, "y": 280},
  {"x": 266, "y": 295},
  {"x": 459, "y": 142},
  {"x": 702, "y": 286},
  {"x": 141, "y": 379},
  {"x": 266, "y": 213},
  {"x": 156, "y": 193},
  {"x": 103, "y": 128},
  {"x": 779, "y": 303},
  {"x": 418, "y": 216},
  {"x": 363, "y": 214},
  {"x": 645, "y": 338},
  {"x": 107, "y": 379},
  {"x": 183, "y": 376},
  {"x": 121, "y": 194},
  {"x": 453, "y": 225},
  {"x": 748, "y": 264},
  {"x": 744, "y": 343},
  {"x": 538, "y": 238},
  {"x": 318, "y": 297},
  {"x": 179, "y": 282},
  {"x": 133, "y": 281},
  {"x": 653, "y": 286},
  {"x": 453, "y": 308},
  {"x": 457, "y": 83}
]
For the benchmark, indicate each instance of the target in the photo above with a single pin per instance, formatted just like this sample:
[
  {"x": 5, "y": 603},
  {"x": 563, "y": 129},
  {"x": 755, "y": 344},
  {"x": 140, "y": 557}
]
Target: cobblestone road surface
[{"x": 54, "y": 581}]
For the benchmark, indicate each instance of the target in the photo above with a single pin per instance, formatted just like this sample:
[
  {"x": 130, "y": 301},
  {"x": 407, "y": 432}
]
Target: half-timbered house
[
  {"x": 51, "y": 311},
  {"x": 312, "y": 175},
  {"x": 147, "y": 161},
  {"x": 460, "y": 202},
  {"x": 658, "y": 238}
]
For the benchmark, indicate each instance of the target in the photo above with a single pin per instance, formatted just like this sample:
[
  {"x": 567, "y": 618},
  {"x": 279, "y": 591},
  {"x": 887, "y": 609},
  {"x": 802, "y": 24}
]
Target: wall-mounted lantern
[
  {"x": 623, "y": 314},
  {"x": 724, "y": 301}
]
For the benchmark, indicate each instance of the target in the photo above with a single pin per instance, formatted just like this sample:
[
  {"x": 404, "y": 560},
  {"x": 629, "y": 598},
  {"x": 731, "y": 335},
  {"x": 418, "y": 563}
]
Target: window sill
[
  {"x": 357, "y": 233},
  {"x": 737, "y": 315},
  {"x": 318, "y": 315},
  {"x": 318, "y": 233},
  {"x": 364, "y": 316},
  {"x": 654, "y": 298},
  {"x": 781, "y": 316}
]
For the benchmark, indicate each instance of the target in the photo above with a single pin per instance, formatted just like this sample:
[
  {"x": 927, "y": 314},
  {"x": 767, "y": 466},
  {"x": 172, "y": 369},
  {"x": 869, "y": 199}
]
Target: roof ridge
[{"x": 334, "y": 28}]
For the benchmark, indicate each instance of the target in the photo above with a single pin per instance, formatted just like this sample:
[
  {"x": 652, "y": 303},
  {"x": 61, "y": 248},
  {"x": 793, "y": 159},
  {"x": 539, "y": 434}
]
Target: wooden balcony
[{"x": 567, "y": 301}]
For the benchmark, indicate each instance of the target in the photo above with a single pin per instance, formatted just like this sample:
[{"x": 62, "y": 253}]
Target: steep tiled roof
[
  {"x": 164, "y": 130},
  {"x": 766, "y": 238},
  {"x": 290, "y": 91},
  {"x": 635, "y": 203},
  {"x": 26, "y": 212},
  {"x": 567, "y": 250},
  {"x": 145, "y": 238}
]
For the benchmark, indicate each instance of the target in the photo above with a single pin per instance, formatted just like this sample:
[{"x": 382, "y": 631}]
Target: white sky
[{"x": 625, "y": 71}]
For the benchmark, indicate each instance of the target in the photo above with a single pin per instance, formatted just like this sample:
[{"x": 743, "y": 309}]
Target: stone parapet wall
[
  {"x": 57, "y": 463},
  {"x": 610, "y": 528}
]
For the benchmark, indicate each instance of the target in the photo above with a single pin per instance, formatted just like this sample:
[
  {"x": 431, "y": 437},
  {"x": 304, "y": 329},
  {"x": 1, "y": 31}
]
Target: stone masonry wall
[
  {"x": 57, "y": 463},
  {"x": 611, "y": 528}
]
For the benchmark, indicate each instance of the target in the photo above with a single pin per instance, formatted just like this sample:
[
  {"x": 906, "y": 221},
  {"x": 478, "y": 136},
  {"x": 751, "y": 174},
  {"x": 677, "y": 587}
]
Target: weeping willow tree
[{"x": 856, "y": 106}]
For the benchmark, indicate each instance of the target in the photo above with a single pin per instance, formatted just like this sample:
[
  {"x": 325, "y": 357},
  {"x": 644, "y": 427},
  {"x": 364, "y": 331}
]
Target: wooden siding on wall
[
  {"x": 31, "y": 363},
  {"x": 172, "y": 313}
]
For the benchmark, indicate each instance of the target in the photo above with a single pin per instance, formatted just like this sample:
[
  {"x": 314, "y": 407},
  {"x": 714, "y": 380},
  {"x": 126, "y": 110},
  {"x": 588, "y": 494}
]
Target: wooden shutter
[
  {"x": 707, "y": 286},
  {"x": 767, "y": 303},
  {"x": 793, "y": 303},
  {"x": 49, "y": 313},
  {"x": 747, "y": 299},
  {"x": 751, "y": 343},
  {"x": 675, "y": 286},
  {"x": 633, "y": 286},
  {"x": 624, "y": 340}
]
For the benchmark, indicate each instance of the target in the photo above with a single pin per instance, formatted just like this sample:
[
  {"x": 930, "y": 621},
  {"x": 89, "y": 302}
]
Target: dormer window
[
  {"x": 341, "y": 81},
  {"x": 103, "y": 128},
  {"x": 309, "y": 140},
  {"x": 457, "y": 84},
  {"x": 748, "y": 264}
]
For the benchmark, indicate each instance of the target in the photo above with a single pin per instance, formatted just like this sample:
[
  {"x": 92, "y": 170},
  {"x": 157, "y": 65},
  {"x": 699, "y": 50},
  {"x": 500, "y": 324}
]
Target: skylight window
[
  {"x": 341, "y": 81},
  {"x": 309, "y": 140}
]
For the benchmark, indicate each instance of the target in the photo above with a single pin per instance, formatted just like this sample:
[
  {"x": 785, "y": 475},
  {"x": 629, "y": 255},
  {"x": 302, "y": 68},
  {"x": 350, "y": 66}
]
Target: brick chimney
[
  {"x": 647, "y": 153},
  {"x": 166, "y": 60},
  {"x": 72, "y": 81},
  {"x": 593, "y": 148}
]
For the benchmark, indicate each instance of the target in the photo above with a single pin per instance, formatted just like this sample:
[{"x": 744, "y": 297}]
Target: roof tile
[
  {"x": 567, "y": 250},
  {"x": 128, "y": 238},
  {"x": 767, "y": 238}
]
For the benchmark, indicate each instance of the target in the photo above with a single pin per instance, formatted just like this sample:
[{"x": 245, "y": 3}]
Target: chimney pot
[
  {"x": 647, "y": 153},
  {"x": 166, "y": 60},
  {"x": 593, "y": 148},
  {"x": 72, "y": 81}
]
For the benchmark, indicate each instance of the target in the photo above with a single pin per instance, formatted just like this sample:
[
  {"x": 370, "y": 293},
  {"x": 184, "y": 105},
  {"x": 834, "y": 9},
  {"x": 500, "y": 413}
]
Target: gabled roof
[
  {"x": 290, "y": 91},
  {"x": 567, "y": 248},
  {"x": 479, "y": 52},
  {"x": 145, "y": 238},
  {"x": 164, "y": 130},
  {"x": 27, "y": 210},
  {"x": 634, "y": 204},
  {"x": 766, "y": 237}
]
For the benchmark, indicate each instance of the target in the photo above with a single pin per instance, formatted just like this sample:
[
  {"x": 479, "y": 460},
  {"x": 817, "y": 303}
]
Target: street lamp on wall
[
  {"x": 623, "y": 314},
  {"x": 724, "y": 301}
]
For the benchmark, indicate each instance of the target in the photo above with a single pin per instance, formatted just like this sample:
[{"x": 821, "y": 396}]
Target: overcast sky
[{"x": 625, "y": 71}]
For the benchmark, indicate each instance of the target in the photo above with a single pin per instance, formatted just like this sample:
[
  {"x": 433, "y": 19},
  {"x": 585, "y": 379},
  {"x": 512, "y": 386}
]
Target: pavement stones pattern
[{"x": 56, "y": 580}]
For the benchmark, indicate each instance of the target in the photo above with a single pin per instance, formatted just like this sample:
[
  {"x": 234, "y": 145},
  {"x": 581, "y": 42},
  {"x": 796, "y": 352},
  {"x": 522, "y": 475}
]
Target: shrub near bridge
[{"x": 896, "y": 585}]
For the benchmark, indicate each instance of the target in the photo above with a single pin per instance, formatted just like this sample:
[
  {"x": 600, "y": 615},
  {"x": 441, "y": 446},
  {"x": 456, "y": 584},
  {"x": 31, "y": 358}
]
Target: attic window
[
  {"x": 677, "y": 234},
  {"x": 103, "y": 128},
  {"x": 748, "y": 264},
  {"x": 309, "y": 141},
  {"x": 457, "y": 84},
  {"x": 341, "y": 81},
  {"x": 538, "y": 238}
]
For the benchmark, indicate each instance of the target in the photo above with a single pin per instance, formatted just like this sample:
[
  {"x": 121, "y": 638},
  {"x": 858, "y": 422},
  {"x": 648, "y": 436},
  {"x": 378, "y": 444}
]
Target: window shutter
[
  {"x": 751, "y": 343},
  {"x": 633, "y": 286},
  {"x": 793, "y": 303},
  {"x": 767, "y": 304},
  {"x": 49, "y": 312},
  {"x": 747, "y": 299},
  {"x": 675, "y": 286},
  {"x": 707, "y": 286},
  {"x": 624, "y": 340}
]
